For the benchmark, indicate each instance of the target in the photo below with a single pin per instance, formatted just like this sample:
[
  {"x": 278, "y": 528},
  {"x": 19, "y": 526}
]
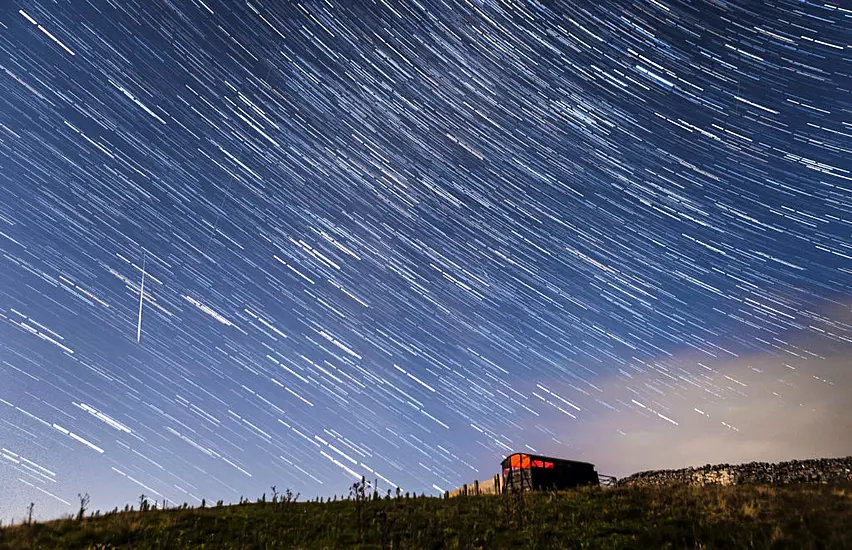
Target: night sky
[{"x": 403, "y": 239}]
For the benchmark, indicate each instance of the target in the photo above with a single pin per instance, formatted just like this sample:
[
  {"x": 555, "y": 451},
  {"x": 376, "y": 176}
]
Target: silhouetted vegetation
[
  {"x": 714, "y": 517},
  {"x": 84, "y": 503},
  {"x": 30, "y": 513}
]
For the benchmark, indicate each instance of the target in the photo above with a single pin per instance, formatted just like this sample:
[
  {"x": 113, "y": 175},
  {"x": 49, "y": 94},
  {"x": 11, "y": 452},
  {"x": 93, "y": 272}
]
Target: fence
[
  {"x": 607, "y": 481},
  {"x": 493, "y": 486}
]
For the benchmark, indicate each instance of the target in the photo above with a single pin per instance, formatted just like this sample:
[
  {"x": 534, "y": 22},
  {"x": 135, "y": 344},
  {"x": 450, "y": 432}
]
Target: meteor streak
[{"x": 141, "y": 294}]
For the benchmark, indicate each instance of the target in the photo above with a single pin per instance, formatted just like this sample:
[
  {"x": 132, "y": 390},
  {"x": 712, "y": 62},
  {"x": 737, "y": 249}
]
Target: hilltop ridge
[{"x": 629, "y": 516}]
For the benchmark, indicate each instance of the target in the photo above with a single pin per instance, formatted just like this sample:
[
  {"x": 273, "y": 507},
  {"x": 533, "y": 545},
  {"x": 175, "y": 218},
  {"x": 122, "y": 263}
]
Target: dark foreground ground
[{"x": 795, "y": 517}]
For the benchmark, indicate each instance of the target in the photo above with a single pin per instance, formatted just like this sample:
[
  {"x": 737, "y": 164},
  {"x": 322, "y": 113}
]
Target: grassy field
[{"x": 795, "y": 517}]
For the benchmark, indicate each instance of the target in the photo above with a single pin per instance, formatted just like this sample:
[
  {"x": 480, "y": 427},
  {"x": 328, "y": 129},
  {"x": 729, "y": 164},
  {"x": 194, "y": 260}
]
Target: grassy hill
[{"x": 747, "y": 516}]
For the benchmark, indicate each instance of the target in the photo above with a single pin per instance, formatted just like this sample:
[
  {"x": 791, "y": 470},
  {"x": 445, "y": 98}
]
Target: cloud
[{"x": 795, "y": 403}]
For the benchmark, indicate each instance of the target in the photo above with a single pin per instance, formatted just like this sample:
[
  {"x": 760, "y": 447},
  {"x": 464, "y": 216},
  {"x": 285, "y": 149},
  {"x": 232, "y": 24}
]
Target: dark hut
[{"x": 526, "y": 472}]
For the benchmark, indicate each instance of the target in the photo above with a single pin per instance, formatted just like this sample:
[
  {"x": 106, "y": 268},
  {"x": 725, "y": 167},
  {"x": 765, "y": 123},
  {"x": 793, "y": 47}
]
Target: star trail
[{"x": 248, "y": 244}]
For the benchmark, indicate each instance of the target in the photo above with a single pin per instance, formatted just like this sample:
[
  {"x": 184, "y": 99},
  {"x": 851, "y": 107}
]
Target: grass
[{"x": 806, "y": 516}]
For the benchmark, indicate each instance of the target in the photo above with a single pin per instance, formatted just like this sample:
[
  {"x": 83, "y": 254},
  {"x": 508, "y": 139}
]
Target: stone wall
[{"x": 819, "y": 470}]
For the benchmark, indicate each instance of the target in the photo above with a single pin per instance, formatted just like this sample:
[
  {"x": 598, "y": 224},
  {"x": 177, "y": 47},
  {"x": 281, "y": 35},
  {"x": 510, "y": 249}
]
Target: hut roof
[{"x": 525, "y": 460}]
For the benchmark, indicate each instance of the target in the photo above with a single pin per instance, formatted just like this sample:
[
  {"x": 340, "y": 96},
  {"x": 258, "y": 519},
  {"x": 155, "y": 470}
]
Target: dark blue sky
[{"x": 402, "y": 239}]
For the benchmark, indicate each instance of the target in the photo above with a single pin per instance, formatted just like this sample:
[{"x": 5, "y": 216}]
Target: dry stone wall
[{"x": 819, "y": 470}]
